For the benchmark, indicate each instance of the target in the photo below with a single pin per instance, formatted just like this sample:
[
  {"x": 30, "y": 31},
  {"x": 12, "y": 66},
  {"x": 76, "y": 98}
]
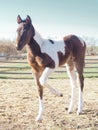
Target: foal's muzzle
[{"x": 18, "y": 47}]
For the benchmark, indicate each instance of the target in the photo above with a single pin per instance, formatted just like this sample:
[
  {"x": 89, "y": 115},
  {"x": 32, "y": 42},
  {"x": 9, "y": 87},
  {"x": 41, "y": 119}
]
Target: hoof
[
  {"x": 69, "y": 112},
  {"x": 79, "y": 112},
  {"x": 39, "y": 120},
  {"x": 61, "y": 95}
]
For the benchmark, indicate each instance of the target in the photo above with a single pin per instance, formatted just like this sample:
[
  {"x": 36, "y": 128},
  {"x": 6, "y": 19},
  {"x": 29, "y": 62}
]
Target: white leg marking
[
  {"x": 80, "y": 104},
  {"x": 41, "y": 108},
  {"x": 54, "y": 91},
  {"x": 80, "y": 101},
  {"x": 73, "y": 80},
  {"x": 45, "y": 75},
  {"x": 72, "y": 100},
  {"x": 43, "y": 79}
]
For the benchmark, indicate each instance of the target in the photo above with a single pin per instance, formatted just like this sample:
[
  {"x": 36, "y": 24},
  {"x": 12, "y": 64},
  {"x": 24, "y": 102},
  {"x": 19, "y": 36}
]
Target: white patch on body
[
  {"x": 38, "y": 38},
  {"x": 49, "y": 48}
]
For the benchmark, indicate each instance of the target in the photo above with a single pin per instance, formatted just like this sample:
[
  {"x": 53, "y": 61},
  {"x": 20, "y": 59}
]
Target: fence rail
[{"x": 19, "y": 69}]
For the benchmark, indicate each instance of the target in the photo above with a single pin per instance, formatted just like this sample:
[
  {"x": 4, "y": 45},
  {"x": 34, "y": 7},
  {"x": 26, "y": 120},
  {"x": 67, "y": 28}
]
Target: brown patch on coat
[
  {"x": 63, "y": 58},
  {"x": 76, "y": 47}
]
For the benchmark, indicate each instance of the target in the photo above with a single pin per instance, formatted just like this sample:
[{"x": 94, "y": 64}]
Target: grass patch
[{"x": 16, "y": 69}]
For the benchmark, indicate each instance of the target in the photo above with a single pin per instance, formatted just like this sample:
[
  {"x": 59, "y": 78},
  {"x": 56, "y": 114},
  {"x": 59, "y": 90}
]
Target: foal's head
[{"x": 25, "y": 31}]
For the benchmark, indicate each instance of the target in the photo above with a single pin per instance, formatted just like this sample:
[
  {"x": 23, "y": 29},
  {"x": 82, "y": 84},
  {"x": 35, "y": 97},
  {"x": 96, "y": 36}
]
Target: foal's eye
[{"x": 26, "y": 27}]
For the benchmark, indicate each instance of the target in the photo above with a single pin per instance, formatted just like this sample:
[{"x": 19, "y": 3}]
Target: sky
[{"x": 51, "y": 18}]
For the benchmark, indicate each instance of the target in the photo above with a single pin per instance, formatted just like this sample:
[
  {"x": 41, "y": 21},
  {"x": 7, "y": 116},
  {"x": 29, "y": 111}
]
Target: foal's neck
[
  {"x": 38, "y": 38},
  {"x": 33, "y": 48}
]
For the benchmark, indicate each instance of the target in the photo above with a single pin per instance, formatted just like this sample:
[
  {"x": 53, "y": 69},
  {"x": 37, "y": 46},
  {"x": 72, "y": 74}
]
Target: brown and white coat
[{"x": 45, "y": 55}]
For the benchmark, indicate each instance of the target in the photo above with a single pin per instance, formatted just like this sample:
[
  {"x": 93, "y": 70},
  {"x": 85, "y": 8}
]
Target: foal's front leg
[
  {"x": 41, "y": 106},
  {"x": 54, "y": 91},
  {"x": 43, "y": 79},
  {"x": 40, "y": 83}
]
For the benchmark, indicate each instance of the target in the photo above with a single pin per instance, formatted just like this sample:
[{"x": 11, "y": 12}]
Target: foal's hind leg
[
  {"x": 79, "y": 67},
  {"x": 73, "y": 79}
]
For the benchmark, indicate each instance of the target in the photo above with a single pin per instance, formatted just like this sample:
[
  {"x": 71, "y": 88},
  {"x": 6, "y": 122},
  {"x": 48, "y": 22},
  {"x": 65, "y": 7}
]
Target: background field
[
  {"x": 19, "y": 106},
  {"x": 19, "y": 98},
  {"x": 16, "y": 67}
]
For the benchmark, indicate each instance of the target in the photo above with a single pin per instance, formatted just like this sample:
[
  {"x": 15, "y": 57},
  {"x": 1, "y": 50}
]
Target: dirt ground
[{"x": 19, "y": 106}]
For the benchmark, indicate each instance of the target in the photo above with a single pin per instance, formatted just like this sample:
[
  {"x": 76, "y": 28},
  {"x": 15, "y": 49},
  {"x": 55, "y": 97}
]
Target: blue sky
[{"x": 51, "y": 17}]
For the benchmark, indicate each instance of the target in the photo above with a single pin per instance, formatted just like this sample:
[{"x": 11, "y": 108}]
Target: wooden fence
[{"x": 18, "y": 68}]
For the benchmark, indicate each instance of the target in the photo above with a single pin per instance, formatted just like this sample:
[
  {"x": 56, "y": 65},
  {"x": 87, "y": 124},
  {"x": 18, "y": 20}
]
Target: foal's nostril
[{"x": 18, "y": 47}]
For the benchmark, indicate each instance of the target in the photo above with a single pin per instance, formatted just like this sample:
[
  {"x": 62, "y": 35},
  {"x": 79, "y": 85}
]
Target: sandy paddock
[{"x": 19, "y": 106}]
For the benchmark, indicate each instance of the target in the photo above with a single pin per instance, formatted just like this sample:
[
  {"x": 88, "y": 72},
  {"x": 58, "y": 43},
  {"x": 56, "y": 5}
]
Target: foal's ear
[
  {"x": 19, "y": 20},
  {"x": 28, "y": 19}
]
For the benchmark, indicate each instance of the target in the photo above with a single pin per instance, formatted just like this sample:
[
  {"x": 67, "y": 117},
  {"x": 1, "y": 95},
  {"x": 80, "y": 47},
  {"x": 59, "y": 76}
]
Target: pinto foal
[{"x": 45, "y": 55}]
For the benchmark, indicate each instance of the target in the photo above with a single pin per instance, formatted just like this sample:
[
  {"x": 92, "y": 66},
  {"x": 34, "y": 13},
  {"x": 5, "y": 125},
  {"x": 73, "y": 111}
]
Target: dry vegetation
[
  {"x": 19, "y": 106},
  {"x": 8, "y": 48},
  {"x": 92, "y": 50}
]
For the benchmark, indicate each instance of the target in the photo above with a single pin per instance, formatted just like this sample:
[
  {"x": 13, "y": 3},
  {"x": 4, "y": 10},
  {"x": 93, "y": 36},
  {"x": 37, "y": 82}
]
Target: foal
[{"x": 45, "y": 55}]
